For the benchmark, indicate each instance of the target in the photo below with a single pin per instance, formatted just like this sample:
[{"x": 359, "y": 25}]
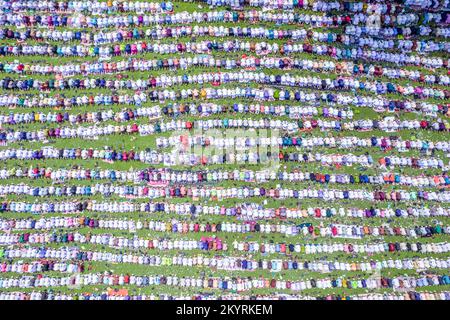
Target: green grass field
[{"x": 139, "y": 143}]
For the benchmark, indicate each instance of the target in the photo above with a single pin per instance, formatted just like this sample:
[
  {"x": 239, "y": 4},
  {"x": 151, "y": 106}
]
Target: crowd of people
[
  {"x": 149, "y": 192},
  {"x": 287, "y": 80},
  {"x": 237, "y": 284},
  {"x": 116, "y": 295},
  {"x": 247, "y": 211},
  {"x": 248, "y": 62},
  {"x": 224, "y": 149},
  {"x": 190, "y": 177},
  {"x": 267, "y": 94},
  {"x": 220, "y": 263}
]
